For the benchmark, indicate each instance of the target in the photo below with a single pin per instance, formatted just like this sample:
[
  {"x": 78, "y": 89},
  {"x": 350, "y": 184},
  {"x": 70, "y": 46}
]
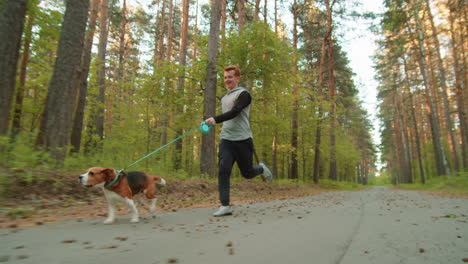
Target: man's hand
[{"x": 210, "y": 121}]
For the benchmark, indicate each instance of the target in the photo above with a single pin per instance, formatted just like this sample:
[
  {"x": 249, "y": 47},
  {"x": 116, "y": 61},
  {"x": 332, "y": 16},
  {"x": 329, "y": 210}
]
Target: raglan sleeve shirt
[{"x": 242, "y": 101}]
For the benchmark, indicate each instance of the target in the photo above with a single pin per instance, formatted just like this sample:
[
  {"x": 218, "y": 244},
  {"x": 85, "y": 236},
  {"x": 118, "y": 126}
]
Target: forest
[{"x": 105, "y": 82}]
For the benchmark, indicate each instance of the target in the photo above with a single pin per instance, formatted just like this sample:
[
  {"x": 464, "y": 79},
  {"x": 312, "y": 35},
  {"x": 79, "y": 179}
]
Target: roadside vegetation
[{"x": 457, "y": 184}]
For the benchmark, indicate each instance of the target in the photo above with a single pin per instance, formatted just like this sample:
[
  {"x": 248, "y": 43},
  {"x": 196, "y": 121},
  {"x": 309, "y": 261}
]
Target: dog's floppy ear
[{"x": 109, "y": 174}]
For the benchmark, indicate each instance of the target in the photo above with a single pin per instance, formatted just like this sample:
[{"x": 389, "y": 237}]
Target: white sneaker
[
  {"x": 223, "y": 210},
  {"x": 267, "y": 175}
]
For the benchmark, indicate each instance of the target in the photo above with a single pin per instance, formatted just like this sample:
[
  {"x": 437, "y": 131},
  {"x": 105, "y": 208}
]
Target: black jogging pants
[{"x": 230, "y": 152}]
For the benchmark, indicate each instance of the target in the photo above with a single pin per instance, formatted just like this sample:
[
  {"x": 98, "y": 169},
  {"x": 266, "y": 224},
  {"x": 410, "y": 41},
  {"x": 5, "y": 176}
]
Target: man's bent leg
[{"x": 244, "y": 153}]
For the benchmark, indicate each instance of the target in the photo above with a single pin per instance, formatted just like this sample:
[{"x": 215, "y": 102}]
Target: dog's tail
[{"x": 159, "y": 180}]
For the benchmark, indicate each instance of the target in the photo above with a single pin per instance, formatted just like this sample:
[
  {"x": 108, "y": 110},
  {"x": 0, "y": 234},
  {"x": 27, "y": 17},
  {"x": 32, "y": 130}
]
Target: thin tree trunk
[
  {"x": 461, "y": 105},
  {"x": 415, "y": 123},
  {"x": 443, "y": 84},
  {"x": 398, "y": 151},
  {"x": 181, "y": 81},
  {"x": 318, "y": 133},
  {"x": 276, "y": 17},
  {"x": 170, "y": 30},
  {"x": 332, "y": 91},
  {"x": 241, "y": 12},
  {"x": 16, "y": 124},
  {"x": 257, "y": 10},
  {"x": 318, "y": 138},
  {"x": 62, "y": 91},
  {"x": 82, "y": 79},
  {"x": 12, "y": 17},
  {"x": 123, "y": 32},
  {"x": 166, "y": 116},
  {"x": 162, "y": 27},
  {"x": 101, "y": 72},
  {"x": 195, "y": 51},
  {"x": 158, "y": 35},
  {"x": 207, "y": 160},
  {"x": 223, "y": 24},
  {"x": 295, "y": 105},
  {"x": 274, "y": 146},
  {"x": 439, "y": 153},
  {"x": 400, "y": 126}
]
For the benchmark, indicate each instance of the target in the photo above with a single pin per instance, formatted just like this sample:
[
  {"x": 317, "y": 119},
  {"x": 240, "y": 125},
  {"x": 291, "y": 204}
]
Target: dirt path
[{"x": 377, "y": 225}]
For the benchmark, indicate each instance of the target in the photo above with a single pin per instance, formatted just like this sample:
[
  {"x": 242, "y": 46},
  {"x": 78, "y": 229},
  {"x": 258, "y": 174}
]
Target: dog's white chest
[{"x": 112, "y": 196}]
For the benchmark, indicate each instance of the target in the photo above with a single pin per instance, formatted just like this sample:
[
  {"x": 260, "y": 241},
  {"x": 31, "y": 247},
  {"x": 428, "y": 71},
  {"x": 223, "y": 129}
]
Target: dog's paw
[{"x": 108, "y": 221}]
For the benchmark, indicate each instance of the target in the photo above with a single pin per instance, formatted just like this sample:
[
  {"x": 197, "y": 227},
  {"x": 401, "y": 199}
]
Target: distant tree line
[{"x": 421, "y": 67}]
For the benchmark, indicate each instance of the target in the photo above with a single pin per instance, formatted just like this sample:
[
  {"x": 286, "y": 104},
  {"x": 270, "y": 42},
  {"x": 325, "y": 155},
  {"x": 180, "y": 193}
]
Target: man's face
[{"x": 230, "y": 80}]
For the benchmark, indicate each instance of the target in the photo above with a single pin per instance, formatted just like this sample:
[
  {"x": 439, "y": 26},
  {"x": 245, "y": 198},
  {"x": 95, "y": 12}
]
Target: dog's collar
[{"x": 107, "y": 186}]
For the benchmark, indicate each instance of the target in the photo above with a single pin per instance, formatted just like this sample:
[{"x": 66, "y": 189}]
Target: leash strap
[
  {"x": 158, "y": 149},
  {"x": 204, "y": 128}
]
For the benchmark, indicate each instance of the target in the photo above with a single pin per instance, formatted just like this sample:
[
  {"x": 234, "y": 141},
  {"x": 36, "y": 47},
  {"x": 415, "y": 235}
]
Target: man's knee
[{"x": 248, "y": 174}]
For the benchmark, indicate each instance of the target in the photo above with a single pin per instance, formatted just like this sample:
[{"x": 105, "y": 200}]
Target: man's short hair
[{"x": 236, "y": 70}]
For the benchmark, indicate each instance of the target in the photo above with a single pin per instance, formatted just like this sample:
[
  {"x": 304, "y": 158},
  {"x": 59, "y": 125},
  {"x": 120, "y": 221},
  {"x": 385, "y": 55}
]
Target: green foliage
[
  {"x": 20, "y": 154},
  {"x": 18, "y": 212},
  {"x": 383, "y": 179},
  {"x": 446, "y": 184},
  {"x": 145, "y": 108}
]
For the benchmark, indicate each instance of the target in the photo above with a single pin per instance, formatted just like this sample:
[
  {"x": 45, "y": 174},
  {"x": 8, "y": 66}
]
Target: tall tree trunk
[
  {"x": 274, "y": 145},
  {"x": 162, "y": 34},
  {"x": 159, "y": 36},
  {"x": 223, "y": 24},
  {"x": 123, "y": 32},
  {"x": 241, "y": 12},
  {"x": 194, "y": 49},
  {"x": 443, "y": 85},
  {"x": 415, "y": 123},
  {"x": 181, "y": 81},
  {"x": 402, "y": 135},
  {"x": 12, "y": 17},
  {"x": 318, "y": 138},
  {"x": 318, "y": 132},
  {"x": 208, "y": 147},
  {"x": 332, "y": 91},
  {"x": 276, "y": 17},
  {"x": 62, "y": 91},
  {"x": 257, "y": 10},
  {"x": 295, "y": 105},
  {"x": 170, "y": 30},
  {"x": 439, "y": 153},
  {"x": 461, "y": 105},
  {"x": 166, "y": 116},
  {"x": 101, "y": 72},
  {"x": 162, "y": 52},
  {"x": 82, "y": 79},
  {"x": 16, "y": 124}
]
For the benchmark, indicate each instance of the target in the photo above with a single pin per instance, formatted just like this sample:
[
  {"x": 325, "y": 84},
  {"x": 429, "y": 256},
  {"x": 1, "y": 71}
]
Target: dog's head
[{"x": 96, "y": 176}]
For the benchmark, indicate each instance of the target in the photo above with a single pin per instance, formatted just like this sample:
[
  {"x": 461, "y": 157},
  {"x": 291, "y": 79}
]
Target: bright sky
[{"x": 359, "y": 43}]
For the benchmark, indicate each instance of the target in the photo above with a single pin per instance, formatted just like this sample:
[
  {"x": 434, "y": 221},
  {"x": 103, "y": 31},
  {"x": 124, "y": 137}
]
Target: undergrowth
[{"x": 457, "y": 184}]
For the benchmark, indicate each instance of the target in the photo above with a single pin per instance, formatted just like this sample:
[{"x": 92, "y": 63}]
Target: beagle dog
[{"x": 123, "y": 187}]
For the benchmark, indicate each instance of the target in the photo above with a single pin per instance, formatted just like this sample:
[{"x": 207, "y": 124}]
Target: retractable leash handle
[{"x": 204, "y": 127}]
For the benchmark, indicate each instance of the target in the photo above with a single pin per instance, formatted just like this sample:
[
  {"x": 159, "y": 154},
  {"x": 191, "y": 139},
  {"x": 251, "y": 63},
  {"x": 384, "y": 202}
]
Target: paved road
[{"x": 377, "y": 225}]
